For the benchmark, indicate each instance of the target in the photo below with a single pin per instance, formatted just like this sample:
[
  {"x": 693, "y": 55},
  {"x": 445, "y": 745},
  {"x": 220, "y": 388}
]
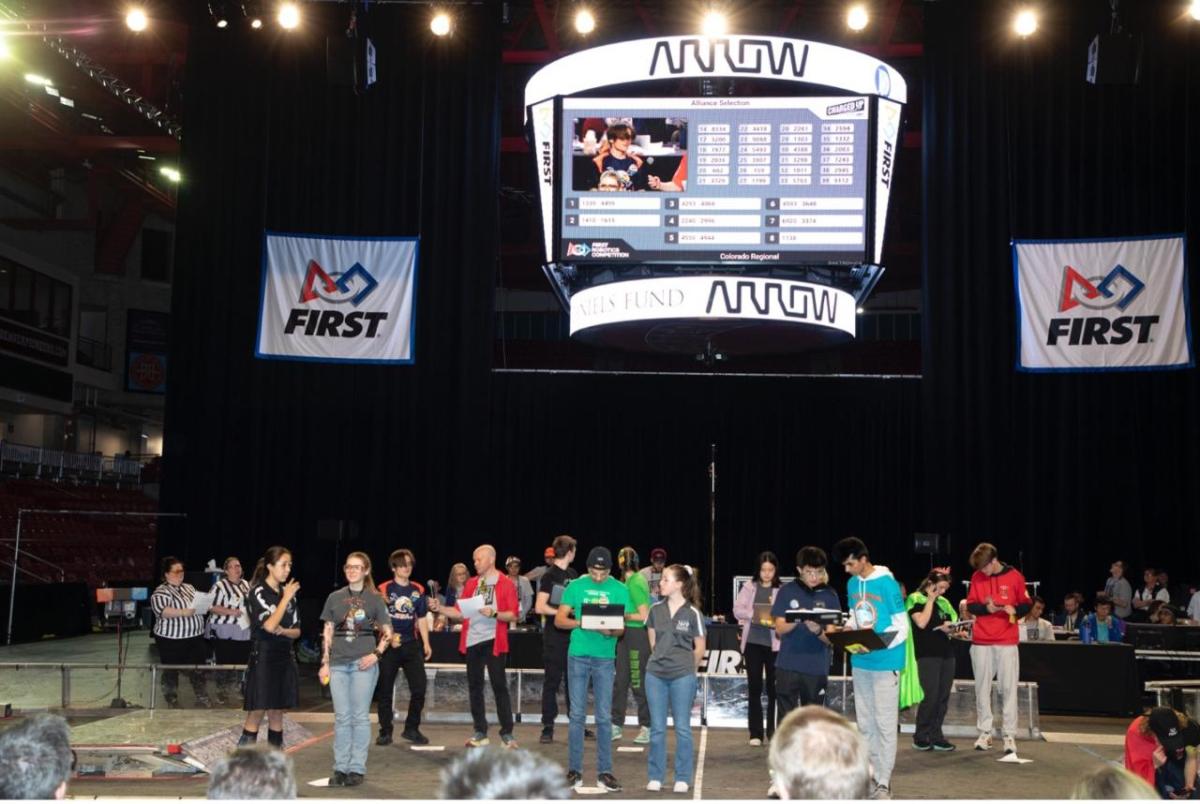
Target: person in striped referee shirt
[{"x": 179, "y": 632}]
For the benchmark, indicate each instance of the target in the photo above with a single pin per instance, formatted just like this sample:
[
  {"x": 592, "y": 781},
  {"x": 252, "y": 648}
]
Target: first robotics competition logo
[
  {"x": 346, "y": 289},
  {"x": 1117, "y": 291}
]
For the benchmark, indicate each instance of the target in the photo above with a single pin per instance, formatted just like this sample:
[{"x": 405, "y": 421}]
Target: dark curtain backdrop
[
  {"x": 259, "y": 451},
  {"x": 1070, "y": 471}
]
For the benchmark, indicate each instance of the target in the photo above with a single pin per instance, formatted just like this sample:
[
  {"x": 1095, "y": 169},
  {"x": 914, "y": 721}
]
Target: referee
[{"x": 179, "y": 631}]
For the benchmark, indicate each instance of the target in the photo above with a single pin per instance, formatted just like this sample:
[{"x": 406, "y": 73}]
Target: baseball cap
[
  {"x": 657, "y": 552},
  {"x": 511, "y": 560},
  {"x": 600, "y": 558},
  {"x": 549, "y": 553},
  {"x": 1164, "y": 722}
]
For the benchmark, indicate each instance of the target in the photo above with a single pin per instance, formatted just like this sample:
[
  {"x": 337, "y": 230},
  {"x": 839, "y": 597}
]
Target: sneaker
[
  {"x": 354, "y": 779},
  {"x": 172, "y": 702},
  {"x": 881, "y": 792},
  {"x": 477, "y": 739},
  {"x": 681, "y": 787},
  {"x": 338, "y": 779},
  {"x": 547, "y": 736},
  {"x": 654, "y": 785},
  {"x": 643, "y": 736},
  {"x": 588, "y": 734},
  {"x": 617, "y": 733},
  {"x": 942, "y": 745},
  {"x": 384, "y": 738},
  {"x": 415, "y": 736},
  {"x": 922, "y": 746},
  {"x": 608, "y": 783},
  {"x": 756, "y": 741},
  {"x": 984, "y": 743},
  {"x": 772, "y": 791},
  {"x": 574, "y": 779},
  {"x": 1010, "y": 745},
  {"x": 508, "y": 741}
]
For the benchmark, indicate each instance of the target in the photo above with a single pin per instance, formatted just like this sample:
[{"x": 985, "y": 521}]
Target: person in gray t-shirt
[
  {"x": 1119, "y": 589},
  {"x": 357, "y": 631},
  {"x": 677, "y": 639}
]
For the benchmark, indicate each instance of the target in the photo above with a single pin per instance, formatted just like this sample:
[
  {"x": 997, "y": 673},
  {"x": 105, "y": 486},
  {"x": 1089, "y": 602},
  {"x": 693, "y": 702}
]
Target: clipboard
[
  {"x": 858, "y": 640},
  {"x": 822, "y": 616}
]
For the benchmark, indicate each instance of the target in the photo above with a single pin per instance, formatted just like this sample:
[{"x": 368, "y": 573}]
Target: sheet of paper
[
  {"x": 470, "y": 606},
  {"x": 202, "y": 602},
  {"x": 1014, "y": 759},
  {"x": 244, "y": 620}
]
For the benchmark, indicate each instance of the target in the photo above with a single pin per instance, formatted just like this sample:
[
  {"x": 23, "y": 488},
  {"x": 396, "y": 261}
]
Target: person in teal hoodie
[{"x": 876, "y": 603}]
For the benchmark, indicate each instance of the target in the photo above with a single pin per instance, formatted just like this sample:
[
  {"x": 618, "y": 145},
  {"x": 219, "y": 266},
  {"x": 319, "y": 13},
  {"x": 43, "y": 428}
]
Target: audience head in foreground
[
  {"x": 503, "y": 774},
  {"x": 817, "y": 754},
  {"x": 36, "y": 759},
  {"x": 1108, "y": 782},
  {"x": 253, "y": 774}
]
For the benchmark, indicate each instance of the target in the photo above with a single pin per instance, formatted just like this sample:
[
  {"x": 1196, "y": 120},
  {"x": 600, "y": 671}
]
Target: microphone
[{"x": 432, "y": 587}]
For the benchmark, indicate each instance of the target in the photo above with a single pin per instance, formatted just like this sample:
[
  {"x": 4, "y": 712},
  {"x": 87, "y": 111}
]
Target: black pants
[
  {"x": 230, "y": 651},
  {"x": 554, "y": 659},
  {"x": 759, "y": 659},
  {"x": 410, "y": 657},
  {"x": 478, "y": 657},
  {"x": 633, "y": 651},
  {"x": 794, "y": 690},
  {"x": 937, "y": 677},
  {"x": 193, "y": 650}
]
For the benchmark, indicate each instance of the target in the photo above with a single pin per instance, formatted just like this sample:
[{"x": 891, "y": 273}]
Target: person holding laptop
[{"x": 593, "y": 609}]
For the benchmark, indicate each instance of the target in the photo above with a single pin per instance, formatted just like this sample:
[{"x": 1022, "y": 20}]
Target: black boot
[
  {"x": 248, "y": 738},
  {"x": 275, "y": 738},
  {"x": 385, "y": 736}
]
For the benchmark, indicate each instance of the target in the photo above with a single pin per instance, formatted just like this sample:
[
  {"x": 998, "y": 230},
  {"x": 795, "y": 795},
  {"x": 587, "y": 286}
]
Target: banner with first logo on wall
[
  {"x": 1102, "y": 305},
  {"x": 337, "y": 299}
]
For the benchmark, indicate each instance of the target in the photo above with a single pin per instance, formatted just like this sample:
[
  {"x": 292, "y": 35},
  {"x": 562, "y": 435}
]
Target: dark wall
[{"x": 1073, "y": 470}]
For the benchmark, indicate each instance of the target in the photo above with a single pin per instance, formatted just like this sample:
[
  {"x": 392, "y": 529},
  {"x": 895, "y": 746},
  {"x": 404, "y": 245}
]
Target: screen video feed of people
[{"x": 610, "y": 154}]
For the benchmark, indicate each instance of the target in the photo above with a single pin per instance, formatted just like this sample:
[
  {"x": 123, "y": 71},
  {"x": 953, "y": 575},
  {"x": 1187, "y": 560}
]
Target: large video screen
[{"x": 715, "y": 180}]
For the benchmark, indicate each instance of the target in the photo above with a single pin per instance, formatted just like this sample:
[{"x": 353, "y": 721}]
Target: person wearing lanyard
[
  {"x": 272, "y": 683},
  {"x": 405, "y": 600},
  {"x": 633, "y": 649},
  {"x": 179, "y": 632},
  {"x": 677, "y": 639},
  {"x": 759, "y": 642},
  {"x": 231, "y": 634},
  {"x": 350, "y": 665}
]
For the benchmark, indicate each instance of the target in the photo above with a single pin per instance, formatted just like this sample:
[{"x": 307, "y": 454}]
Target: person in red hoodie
[
  {"x": 997, "y": 599},
  {"x": 484, "y": 640}
]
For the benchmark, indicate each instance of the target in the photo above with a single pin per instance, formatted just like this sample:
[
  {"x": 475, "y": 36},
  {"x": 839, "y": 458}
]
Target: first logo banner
[{"x": 337, "y": 299}]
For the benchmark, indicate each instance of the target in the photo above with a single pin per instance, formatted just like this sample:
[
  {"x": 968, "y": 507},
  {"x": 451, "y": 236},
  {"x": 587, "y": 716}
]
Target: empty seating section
[{"x": 96, "y": 550}]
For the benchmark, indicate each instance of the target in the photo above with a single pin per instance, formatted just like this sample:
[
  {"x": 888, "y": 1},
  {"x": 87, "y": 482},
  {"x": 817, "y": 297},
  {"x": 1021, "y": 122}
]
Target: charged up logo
[{"x": 1116, "y": 290}]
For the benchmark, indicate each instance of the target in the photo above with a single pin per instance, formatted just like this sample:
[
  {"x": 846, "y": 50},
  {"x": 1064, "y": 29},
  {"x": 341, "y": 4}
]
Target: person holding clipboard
[
  {"x": 802, "y": 665},
  {"x": 876, "y": 656}
]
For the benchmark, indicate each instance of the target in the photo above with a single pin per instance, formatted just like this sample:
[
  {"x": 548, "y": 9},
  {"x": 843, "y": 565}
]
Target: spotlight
[
  {"x": 585, "y": 23},
  {"x": 1025, "y": 23},
  {"x": 136, "y": 20},
  {"x": 857, "y": 18},
  {"x": 171, "y": 173},
  {"x": 859, "y": 310},
  {"x": 1194, "y": 10},
  {"x": 440, "y": 24},
  {"x": 256, "y": 23},
  {"x": 222, "y": 23},
  {"x": 714, "y": 24},
  {"x": 289, "y": 16},
  {"x": 5, "y": 52},
  {"x": 34, "y": 78}
]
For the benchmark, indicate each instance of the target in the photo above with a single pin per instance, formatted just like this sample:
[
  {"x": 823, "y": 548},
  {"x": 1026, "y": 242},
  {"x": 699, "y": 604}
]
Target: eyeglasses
[
  {"x": 175, "y": 572},
  {"x": 813, "y": 573},
  {"x": 355, "y": 567}
]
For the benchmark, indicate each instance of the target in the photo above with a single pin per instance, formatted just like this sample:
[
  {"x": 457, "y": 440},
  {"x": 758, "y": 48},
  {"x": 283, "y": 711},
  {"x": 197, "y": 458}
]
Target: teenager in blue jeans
[
  {"x": 676, "y": 630},
  {"x": 357, "y": 631}
]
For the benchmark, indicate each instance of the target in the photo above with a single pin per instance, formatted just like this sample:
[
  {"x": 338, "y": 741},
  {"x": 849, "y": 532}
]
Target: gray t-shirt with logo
[
  {"x": 355, "y": 617},
  {"x": 674, "y": 639}
]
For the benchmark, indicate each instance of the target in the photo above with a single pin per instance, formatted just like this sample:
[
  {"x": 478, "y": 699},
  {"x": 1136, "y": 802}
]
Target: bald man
[{"x": 484, "y": 641}]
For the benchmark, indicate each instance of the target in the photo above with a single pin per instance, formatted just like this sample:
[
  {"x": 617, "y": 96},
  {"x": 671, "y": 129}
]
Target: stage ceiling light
[
  {"x": 714, "y": 24},
  {"x": 1025, "y": 23},
  {"x": 585, "y": 23},
  {"x": 857, "y": 17},
  {"x": 440, "y": 24},
  {"x": 136, "y": 20},
  {"x": 34, "y": 78},
  {"x": 256, "y": 23},
  {"x": 289, "y": 16},
  {"x": 1195, "y": 10},
  {"x": 171, "y": 173},
  {"x": 5, "y": 52}
]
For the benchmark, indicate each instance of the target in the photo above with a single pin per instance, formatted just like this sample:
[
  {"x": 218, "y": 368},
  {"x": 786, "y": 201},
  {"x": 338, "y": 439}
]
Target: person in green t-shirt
[
  {"x": 591, "y": 660},
  {"x": 633, "y": 649}
]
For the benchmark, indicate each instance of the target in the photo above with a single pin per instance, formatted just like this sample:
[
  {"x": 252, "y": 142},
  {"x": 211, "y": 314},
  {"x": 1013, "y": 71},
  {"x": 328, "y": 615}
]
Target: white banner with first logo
[
  {"x": 1102, "y": 305},
  {"x": 337, "y": 299}
]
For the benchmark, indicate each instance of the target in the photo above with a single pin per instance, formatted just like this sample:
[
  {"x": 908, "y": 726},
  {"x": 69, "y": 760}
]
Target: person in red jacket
[
  {"x": 484, "y": 640},
  {"x": 997, "y": 599}
]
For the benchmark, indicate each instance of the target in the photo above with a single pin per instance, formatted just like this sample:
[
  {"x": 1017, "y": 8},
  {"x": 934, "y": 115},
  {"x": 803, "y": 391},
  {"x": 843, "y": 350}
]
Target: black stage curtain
[
  {"x": 257, "y": 452},
  {"x": 1071, "y": 471}
]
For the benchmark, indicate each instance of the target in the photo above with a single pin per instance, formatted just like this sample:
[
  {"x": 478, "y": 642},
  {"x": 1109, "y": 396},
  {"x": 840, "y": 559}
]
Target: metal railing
[{"x": 57, "y": 463}]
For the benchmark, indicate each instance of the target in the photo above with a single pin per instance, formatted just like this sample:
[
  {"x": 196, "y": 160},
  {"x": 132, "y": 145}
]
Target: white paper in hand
[
  {"x": 202, "y": 602},
  {"x": 470, "y": 606}
]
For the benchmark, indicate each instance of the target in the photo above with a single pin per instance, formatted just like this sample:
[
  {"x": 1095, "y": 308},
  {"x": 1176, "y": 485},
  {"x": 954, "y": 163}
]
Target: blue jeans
[
  {"x": 582, "y": 670},
  {"x": 678, "y": 694},
  {"x": 352, "y": 690}
]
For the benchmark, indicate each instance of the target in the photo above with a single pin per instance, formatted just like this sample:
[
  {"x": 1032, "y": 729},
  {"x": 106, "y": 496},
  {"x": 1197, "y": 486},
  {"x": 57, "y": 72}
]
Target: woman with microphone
[{"x": 272, "y": 683}]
